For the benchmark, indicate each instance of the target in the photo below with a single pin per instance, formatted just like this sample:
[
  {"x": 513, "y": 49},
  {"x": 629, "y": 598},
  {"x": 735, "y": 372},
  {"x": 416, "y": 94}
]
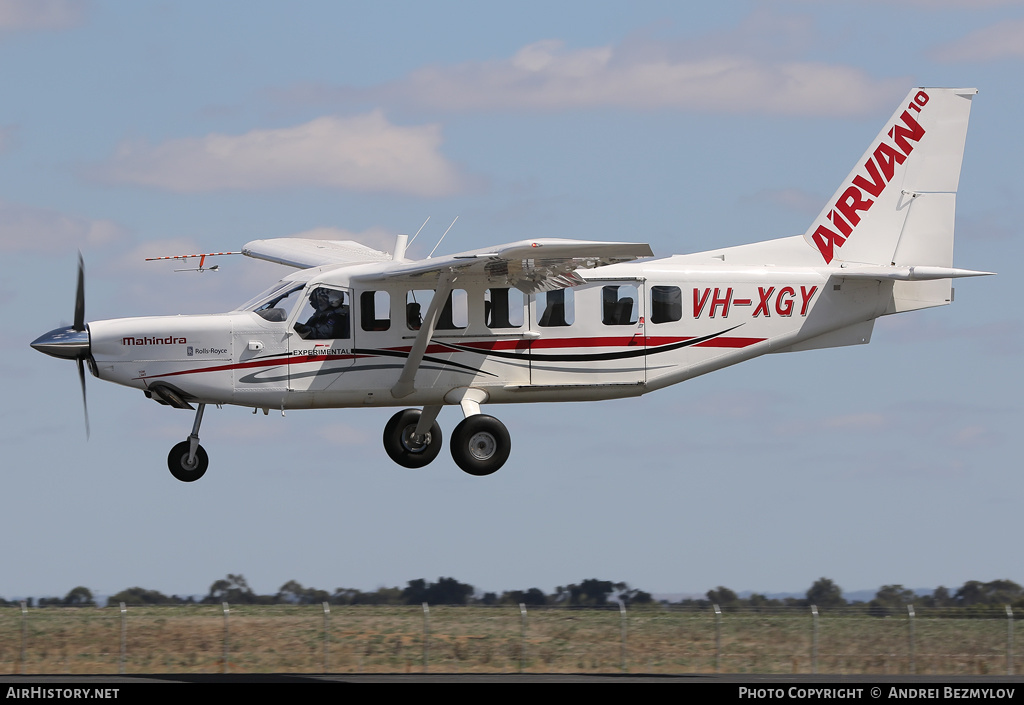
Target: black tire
[
  {"x": 480, "y": 444},
  {"x": 177, "y": 463},
  {"x": 398, "y": 440}
]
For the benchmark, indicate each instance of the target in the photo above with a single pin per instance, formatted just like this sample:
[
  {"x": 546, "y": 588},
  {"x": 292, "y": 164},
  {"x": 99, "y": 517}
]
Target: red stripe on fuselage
[
  {"x": 267, "y": 362},
  {"x": 484, "y": 347},
  {"x": 626, "y": 341}
]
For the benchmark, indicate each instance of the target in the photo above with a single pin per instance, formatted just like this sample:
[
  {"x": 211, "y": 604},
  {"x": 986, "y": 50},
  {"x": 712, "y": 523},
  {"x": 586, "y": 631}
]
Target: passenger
[{"x": 413, "y": 319}]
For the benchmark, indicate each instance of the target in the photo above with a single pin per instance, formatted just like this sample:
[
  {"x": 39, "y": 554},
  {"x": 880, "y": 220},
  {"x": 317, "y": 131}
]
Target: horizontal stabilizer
[{"x": 908, "y": 274}]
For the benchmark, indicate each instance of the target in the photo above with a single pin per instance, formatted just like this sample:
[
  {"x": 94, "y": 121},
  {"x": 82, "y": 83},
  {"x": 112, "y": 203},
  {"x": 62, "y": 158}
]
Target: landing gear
[
  {"x": 187, "y": 460},
  {"x": 178, "y": 464},
  {"x": 405, "y": 446},
  {"x": 480, "y": 444}
]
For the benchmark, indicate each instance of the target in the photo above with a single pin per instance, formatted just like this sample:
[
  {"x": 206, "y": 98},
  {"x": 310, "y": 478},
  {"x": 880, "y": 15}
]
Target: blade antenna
[
  {"x": 418, "y": 231},
  {"x": 442, "y": 237}
]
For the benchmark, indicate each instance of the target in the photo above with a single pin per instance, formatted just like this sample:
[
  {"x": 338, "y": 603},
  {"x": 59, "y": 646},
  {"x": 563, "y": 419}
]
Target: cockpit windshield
[{"x": 273, "y": 304}]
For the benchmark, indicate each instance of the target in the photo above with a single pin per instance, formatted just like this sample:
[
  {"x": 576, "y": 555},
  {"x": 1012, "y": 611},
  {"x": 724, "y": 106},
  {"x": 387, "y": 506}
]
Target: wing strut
[{"x": 406, "y": 381}]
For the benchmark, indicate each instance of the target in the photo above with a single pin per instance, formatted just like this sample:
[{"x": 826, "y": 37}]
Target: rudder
[{"x": 897, "y": 206}]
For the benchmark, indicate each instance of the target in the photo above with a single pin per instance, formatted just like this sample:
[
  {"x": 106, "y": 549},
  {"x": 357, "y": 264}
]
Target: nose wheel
[
  {"x": 179, "y": 465},
  {"x": 188, "y": 461}
]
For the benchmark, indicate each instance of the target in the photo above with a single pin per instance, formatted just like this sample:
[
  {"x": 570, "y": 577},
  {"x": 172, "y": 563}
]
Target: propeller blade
[
  {"x": 80, "y": 299},
  {"x": 85, "y": 404}
]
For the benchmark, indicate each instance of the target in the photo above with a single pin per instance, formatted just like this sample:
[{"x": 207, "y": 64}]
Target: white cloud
[
  {"x": 28, "y": 229},
  {"x": 707, "y": 75},
  {"x": 41, "y": 14},
  {"x": 363, "y": 153},
  {"x": 546, "y": 76},
  {"x": 1004, "y": 40}
]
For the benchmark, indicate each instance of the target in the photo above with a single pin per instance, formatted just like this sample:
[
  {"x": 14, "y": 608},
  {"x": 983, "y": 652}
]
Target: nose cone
[{"x": 66, "y": 343}]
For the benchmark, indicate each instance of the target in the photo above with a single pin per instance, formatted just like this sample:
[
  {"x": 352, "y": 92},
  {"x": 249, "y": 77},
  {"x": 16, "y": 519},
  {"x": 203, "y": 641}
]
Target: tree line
[
  {"x": 592, "y": 592},
  {"x": 889, "y": 600}
]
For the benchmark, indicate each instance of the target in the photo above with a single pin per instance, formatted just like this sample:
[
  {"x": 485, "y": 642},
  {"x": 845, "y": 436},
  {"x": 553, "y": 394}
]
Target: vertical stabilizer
[{"x": 897, "y": 206}]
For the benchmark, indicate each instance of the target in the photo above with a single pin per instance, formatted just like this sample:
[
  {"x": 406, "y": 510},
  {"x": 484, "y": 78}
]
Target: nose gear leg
[{"x": 193, "y": 438}]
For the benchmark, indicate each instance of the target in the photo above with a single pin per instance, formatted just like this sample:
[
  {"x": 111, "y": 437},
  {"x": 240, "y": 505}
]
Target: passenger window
[
  {"x": 619, "y": 305},
  {"x": 556, "y": 308},
  {"x": 454, "y": 315},
  {"x": 325, "y": 316},
  {"x": 666, "y": 304},
  {"x": 416, "y": 305},
  {"x": 375, "y": 310},
  {"x": 503, "y": 308}
]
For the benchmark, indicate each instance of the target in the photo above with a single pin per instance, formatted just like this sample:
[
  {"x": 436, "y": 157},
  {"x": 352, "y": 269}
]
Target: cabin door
[
  {"x": 320, "y": 342},
  {"x": 589, "y": 335}
]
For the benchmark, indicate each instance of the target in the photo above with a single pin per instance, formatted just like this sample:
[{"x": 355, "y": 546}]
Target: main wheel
[
  {"x": 177, "y": 463},
  {"x": 399, "y": 443},
  {"x": 480, "y": 444}
]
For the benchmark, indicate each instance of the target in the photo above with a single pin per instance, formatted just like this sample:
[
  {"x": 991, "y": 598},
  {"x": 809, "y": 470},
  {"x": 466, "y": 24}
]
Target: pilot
[{"x": 330, "y": 318}]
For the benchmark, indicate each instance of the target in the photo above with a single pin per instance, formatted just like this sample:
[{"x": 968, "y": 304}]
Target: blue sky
[{"x": 136, "y": 129}]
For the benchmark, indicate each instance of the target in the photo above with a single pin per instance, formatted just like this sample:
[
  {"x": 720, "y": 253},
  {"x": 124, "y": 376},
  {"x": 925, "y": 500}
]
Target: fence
[{"x": 368, "y": 639}]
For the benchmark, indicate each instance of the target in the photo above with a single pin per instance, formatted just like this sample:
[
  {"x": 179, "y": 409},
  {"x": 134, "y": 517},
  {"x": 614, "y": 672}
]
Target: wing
[
  {"x": 305, "y": 253},
  {"x": 528, "y": 265}
]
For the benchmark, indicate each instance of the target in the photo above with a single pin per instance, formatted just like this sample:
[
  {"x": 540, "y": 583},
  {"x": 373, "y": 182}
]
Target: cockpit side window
[
  {"x": 326, "y": 315},
  {"x": 275, "y": 303}
]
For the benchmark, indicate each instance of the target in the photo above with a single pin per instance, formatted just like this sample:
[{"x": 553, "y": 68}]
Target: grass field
[{"x": 364, "y": 639}]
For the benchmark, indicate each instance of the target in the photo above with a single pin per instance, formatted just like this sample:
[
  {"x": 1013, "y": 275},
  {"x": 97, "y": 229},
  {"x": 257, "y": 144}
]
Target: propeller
[
  {"x": 80, "y": 327},
  {"x": 80, "y": 296},
  {"x": 71, "y": 343}
]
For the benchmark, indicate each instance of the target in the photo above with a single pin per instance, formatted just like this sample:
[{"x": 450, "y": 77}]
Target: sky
[{"x": 138, "y": 129}]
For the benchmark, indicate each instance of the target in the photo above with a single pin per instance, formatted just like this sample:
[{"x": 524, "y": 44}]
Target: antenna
[
  {"x": 418, "y": 231},
  {"x": 202, "y": 261},
  {"x": 442, "y": 237}
]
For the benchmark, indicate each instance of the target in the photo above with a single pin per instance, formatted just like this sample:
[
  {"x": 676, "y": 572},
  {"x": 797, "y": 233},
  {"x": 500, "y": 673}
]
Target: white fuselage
[{"x": 630, "y": 329}]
